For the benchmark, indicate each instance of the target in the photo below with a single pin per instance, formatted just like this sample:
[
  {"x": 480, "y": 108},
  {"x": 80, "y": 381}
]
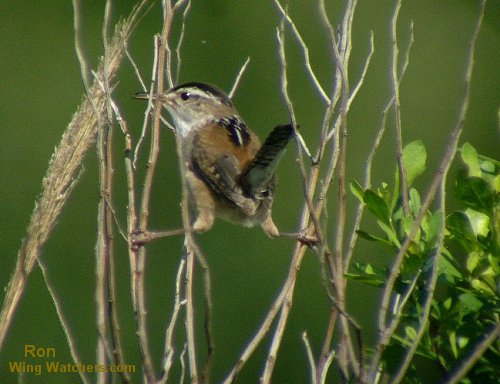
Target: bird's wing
[{"x": 219, "y": 168}]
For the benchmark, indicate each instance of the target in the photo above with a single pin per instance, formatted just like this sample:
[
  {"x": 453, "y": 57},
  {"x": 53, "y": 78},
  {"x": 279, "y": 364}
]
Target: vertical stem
[
  {"x": 102, "y": 254},
  {"x": 190, "y": 332},
  {"x": 397, "y": 109}
]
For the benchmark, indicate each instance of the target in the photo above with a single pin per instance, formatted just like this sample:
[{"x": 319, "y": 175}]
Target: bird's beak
[
  {"x": 166, "y": 99},
  {"x": 144, "y": 96}
]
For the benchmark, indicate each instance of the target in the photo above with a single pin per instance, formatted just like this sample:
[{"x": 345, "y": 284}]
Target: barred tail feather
[{"x": 258, "y": 176}]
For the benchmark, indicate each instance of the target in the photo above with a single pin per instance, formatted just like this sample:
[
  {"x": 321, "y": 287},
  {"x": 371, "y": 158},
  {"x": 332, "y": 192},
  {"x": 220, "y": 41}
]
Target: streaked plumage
[{"x": 229, "y": 173}]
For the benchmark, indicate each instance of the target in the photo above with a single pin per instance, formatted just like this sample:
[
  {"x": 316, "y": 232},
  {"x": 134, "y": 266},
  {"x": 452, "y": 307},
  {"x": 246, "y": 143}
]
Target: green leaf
[
  {"x": 496, "y": 184},
  {"x": 462, "y": 341},
  {"x": 367, "y": 275},
  {"x": 447, "y": 303},
  {"x": 446, "y": 266},
  {"x": 434, "y": 227},
  {"x": 480, "y": 285},
  {"x": 488, "y": 167},
  {"x": 414, "y": 159},
  {"x": 356, "y": 190},
  {"x": 475, "y": 192},
  {"x": 410, "y": 333},
  {"x": 453, "y": 343},
  {"x": 494, "y": 263},
  {"x": 470, "y": 158},
  {"x": 479, "y": 222},
  {"x": 470, "y": 303},
  {"x": 389, "y": 231},
  {"x": 368, "y": 280},
  {"x": 415, "y": 202},
  {"x": 407, "y": 225},
  {"x": 376, "y": 205},
  {"x": 368, "y": 236},
  {"x": 459, "y": 226},
  {"x": 472, "y": 261}
]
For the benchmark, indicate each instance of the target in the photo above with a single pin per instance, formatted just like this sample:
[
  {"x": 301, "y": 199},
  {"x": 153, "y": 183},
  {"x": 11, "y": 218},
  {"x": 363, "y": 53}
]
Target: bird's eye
[{"x": 185, "y": 96}]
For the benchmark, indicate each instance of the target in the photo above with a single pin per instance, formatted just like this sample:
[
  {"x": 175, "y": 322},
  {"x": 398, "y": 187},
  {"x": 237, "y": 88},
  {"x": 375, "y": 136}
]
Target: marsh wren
[{"x": 229, "y": 173}]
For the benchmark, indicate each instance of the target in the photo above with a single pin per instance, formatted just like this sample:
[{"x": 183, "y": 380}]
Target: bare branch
[
  {"x": 397, "y": 109},
  {"x": 305, "y": 52},
  {"x": 181, "y": 38},
  {"x": 188, "y": 287},
  {"x": 310, "y": 357},
  {"x": 238, "y": 77},
  {"x": 168, "y": 354},
  {"x": 62, "y": 319},
  {"x": 60, "y": 177},
  {"x": 468, "y": 362},
  {"x": 436, "y": 183}
]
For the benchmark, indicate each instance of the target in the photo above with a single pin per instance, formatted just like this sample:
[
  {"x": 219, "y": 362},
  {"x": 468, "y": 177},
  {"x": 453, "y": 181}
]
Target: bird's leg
[
  {"x": 301, "y": 237},
  {"x": 140, "y": 238}
]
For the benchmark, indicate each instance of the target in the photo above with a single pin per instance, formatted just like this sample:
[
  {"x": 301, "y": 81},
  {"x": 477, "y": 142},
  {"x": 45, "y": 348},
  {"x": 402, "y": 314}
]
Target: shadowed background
[{"x": 40, "y": 89}]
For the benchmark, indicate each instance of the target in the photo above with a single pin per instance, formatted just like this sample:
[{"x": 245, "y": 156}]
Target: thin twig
[
  {"x": 328, "y": 361},
  {"x": 346, "y": 355},
  {"x": 468, "y": 362},
  {"x": 305, "y": 51},
  {"x": 105, "y": 242},
  {"x": 62, "y": 319},
  {"x": 273, "y": 310},
  {"x": 371, "y": 156},
  {"x": 135, "y": 67},
  {"x": 61, "y": 175},
  {"x": 397, "y": 109},
  {"x": 84, "y": 69},
  {"x": 163, "y": 68},
  {"x": 151, "y": 101},
  {"x": 443, "y": 168},
  {"x": 169, "y": 351},
  {"x": 103, "y": 250},
  {"x": 209, "y": 336},
  {"x": 360, "y": 82},
  {"x": 310, "y": 357},
  {"x": 308, "y": 212},
  {"x": 183, "y": 364},
  {"x": 191, "y": 338},
  {"x": 181, "y": 38},
  {"x": 429, "y": 294},
  {"x": 238, "y": 77},
  {"x": 280, "y": 34}
]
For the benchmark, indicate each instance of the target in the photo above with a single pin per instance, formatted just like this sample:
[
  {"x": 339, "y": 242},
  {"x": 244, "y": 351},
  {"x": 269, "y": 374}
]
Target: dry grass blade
[{"x": 62, "y": 174}]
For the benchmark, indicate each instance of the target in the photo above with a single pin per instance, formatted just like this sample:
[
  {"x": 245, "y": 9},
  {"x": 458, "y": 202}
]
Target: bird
[{"x": 230, "y": 174}]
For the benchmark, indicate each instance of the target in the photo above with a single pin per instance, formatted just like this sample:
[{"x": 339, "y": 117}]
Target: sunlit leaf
[
  {"x": 356, "y": 190},
  {"x": 488, "y": 167},
  {"x": 479, "y": 222},
  {"x": 411, "y": 333},
  {"x": 462, "y": 341},
  {"x": 452, "y": 337},
  {"x": 473, "y": 261},
  {"x": 470, "y": 158},
  {"x": 414, "y": 159},
  {"x": 435, "y": 224},
  {"x": 389, "y": 231},
  {"x": 482, "y": 286},
  {"x": 414, "y": 202}
]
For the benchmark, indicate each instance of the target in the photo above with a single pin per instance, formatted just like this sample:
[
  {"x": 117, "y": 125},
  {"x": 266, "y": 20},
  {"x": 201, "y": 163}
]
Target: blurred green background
[{"x": 40, "y": 89}]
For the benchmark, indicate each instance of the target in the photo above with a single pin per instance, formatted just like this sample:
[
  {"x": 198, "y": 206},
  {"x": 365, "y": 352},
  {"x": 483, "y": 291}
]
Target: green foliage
[{"x": 466, "y": 301}]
